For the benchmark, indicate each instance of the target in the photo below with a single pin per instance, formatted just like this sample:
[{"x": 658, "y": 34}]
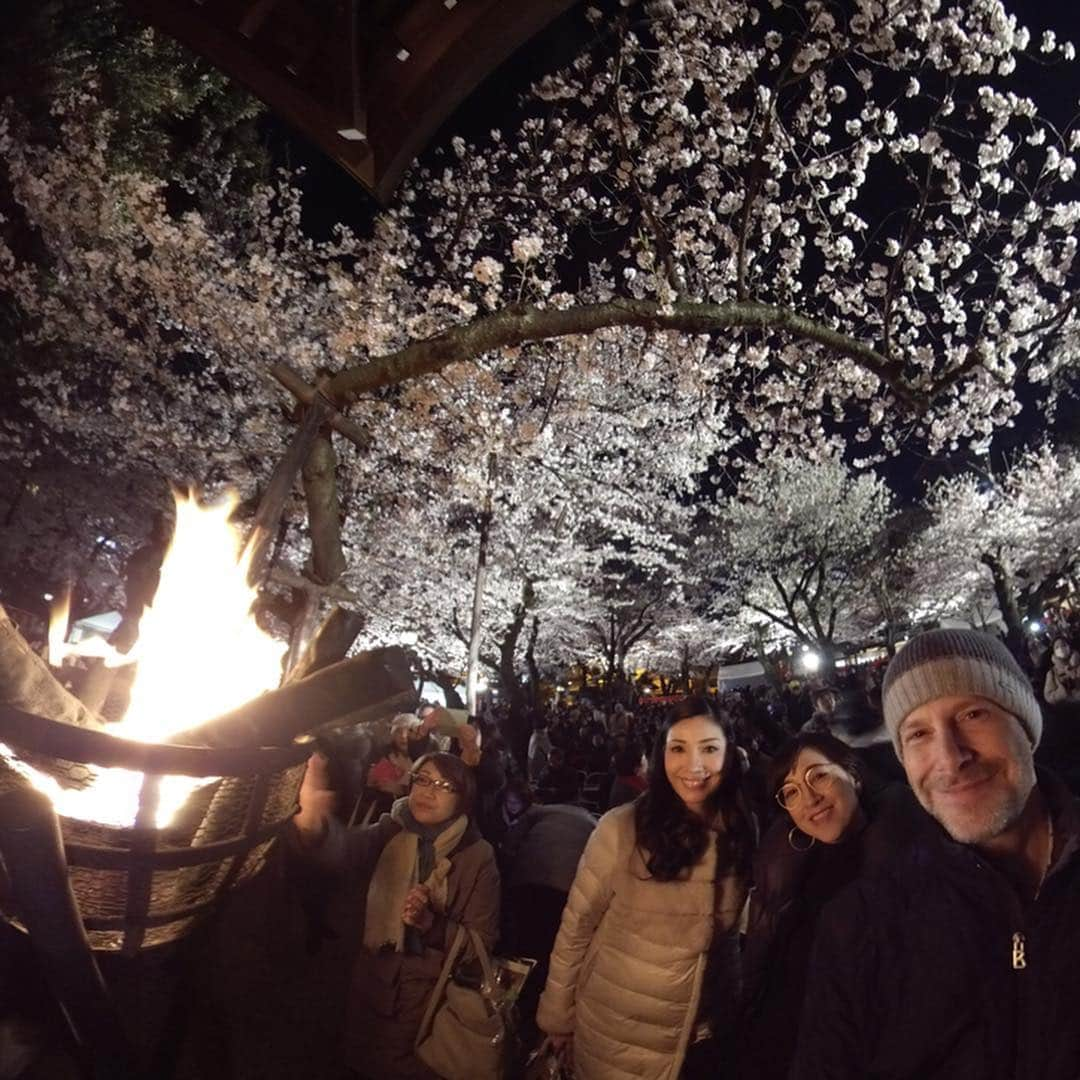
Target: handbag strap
[
  {"x": 440, "y": 985},
  {"x": 484, "y": 957}
]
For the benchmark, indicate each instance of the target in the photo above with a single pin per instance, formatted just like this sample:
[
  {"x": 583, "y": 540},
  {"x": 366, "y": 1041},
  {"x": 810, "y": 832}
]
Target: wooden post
[{"x": 281, "y": 483}]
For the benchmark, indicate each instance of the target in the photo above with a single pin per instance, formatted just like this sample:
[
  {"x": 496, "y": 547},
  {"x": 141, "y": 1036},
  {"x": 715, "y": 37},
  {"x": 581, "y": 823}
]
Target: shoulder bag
[{"x": 465, "y": 1032}]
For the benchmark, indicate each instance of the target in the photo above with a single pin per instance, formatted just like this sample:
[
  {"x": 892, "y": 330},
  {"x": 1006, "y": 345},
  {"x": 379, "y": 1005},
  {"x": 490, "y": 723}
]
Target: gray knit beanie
[{"x": 944, "y": 663}]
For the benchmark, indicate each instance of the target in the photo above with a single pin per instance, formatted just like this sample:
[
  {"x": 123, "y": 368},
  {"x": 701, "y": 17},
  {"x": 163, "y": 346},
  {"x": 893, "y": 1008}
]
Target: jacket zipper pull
[{"x": 1019, "y": 960}]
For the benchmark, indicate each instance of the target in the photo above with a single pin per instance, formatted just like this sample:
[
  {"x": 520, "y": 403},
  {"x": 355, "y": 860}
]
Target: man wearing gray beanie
[{"x": 962, "y": 959}]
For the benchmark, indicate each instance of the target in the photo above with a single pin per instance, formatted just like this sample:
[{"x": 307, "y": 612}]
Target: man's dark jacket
[{"x": 934, "y": 969}]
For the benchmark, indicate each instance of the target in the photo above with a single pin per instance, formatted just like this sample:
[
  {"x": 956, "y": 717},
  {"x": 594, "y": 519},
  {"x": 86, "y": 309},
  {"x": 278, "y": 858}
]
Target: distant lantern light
[
  {"x": 402, "y": 55},
  {"x": 46, "y": 596},
  {"x": 810, "y": 661},
  {"x": 1035, "y": 626}
]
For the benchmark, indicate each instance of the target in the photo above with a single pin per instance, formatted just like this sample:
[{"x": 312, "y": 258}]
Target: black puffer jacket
[{"x": 933, "y": 970}]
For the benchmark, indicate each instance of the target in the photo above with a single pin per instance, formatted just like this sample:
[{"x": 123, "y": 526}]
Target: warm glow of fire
[{"x": 200, "y": 654}]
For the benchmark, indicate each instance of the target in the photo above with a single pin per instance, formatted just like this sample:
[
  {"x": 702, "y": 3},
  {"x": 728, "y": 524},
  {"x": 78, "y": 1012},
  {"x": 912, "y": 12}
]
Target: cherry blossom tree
[
  {"x": 792, "y": 547},
  {"x": 795, "y": 213},
  {"x": 1000, "y": 542},
  {"x": 684, "y": 652},
  {"x": 725, "y": 221}
]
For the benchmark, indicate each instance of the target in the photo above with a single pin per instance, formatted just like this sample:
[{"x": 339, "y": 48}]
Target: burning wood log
[
  {"x": 26, "y": 682},
  {"x": 362, "y": 688},
  {"x": 330, "y": 643}
]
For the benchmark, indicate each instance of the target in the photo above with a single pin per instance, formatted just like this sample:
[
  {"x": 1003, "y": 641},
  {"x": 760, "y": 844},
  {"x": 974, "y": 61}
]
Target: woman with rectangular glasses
[{"x": 428, "y": 871}]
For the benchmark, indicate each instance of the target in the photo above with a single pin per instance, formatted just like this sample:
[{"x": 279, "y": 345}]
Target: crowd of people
[{"x": 874, "y": 877}]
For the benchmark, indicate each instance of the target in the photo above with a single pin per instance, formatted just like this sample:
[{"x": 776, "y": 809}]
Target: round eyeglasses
[
  {"x": 422, "y": 780},
  {"x": 818, "y": 780}
]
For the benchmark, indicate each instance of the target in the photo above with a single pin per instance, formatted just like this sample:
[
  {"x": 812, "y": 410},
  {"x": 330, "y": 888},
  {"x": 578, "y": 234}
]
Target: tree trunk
[
  {"x": 772, "y": 671},
  {"x": 684, "y": 671},
  {"x": 324, "y": 511},
  {"x": 473, "y": 670},
  {"x": 1016, "y": 636},
  {"x": 530, "y": 662},
  {"x": 16, "y": 502},
  {"x": 448, "y": 685},
  {"x": 303, "y": 628},
  {"x": 826, "y": 652}
]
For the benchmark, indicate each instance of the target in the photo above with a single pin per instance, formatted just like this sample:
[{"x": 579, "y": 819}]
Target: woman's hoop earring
[{"x": 792, "y": 832}]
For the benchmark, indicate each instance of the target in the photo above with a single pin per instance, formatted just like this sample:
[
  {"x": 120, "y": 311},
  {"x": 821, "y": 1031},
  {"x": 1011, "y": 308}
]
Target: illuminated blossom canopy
[{"x": 728, "y": 226}]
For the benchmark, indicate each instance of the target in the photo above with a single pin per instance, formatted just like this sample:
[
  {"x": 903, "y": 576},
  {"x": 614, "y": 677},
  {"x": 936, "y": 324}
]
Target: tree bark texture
[{"x": 324, "y": 510}]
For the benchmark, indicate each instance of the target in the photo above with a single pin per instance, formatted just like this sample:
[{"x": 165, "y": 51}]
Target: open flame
[{"x": 200, "y": 653}]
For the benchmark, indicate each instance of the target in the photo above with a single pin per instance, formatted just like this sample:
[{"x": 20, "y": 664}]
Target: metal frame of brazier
[{"x": 141, "y": 887}]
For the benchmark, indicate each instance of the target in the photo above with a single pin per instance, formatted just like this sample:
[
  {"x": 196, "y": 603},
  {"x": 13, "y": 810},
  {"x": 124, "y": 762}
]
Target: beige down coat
[{"x": 629, "y": 961}]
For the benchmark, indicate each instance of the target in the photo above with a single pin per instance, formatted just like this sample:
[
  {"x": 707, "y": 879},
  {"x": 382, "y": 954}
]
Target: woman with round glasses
[
  {"x": 427, "y": 872},
  {"x": 830, "y": 833},
  {"x": 645, "y": 966}
]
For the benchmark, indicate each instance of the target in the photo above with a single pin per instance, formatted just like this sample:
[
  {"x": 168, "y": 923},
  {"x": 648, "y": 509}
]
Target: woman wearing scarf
[{"x": 428, "y": 872}]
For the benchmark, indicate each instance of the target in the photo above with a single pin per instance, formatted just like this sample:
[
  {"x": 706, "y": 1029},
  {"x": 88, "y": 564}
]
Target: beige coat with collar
[{"x": 628, "y": 964}]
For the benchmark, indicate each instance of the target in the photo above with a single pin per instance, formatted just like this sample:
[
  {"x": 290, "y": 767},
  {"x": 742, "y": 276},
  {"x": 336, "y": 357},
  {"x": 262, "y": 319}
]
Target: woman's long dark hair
[{"x": 674, "y": 839}]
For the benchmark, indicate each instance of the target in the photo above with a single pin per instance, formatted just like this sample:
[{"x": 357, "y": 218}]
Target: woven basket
[{"x": 142, "y": 887}]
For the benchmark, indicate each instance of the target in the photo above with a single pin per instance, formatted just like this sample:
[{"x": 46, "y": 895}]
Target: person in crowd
[
  {"x": 825, "y": 699},
  {"x": 491, "y": 763},
  {"x": 1062, "y": 685},
  {"x": 834, "y": 827},
  {"x": 961, "y": 958},
  {"x": 629, "y": 781},
  {"x": 559, "y": 782},
  {"x": 619, "y": 721},
  {"x": 539, "y": 748},
  {"x": 645, "y": 965},
  {"x": 390, "y": 771},
  {"x": 538, "y": 859},
  {"x": 511, "y": 802},
  {"x": 598, "y": 759},
  {"x": 428, "y": 872}
]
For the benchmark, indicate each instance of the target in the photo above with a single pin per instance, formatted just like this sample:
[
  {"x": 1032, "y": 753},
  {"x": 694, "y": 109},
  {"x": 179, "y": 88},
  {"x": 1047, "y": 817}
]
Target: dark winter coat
[
  {"x": 390, "y": 990},
  {"x": 934, "y": 970},
  {"x": 791, "y": 889}
]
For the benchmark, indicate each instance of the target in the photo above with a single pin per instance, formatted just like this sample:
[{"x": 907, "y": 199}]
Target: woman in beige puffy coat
[{"x": 644, "y": 973}]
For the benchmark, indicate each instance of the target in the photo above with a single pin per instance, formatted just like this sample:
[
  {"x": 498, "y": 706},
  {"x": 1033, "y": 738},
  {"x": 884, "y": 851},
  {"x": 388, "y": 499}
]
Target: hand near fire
[
  {"x": 417, "y": 910},
  {"x": 317, "y": 799}
]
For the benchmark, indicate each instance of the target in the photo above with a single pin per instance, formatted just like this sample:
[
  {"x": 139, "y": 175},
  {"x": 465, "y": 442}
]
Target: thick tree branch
[{"x": 519, "y": 323}]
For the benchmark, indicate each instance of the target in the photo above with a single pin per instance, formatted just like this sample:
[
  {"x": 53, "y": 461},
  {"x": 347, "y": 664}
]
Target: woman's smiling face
[
  {"x": 826, "y": 807},
  {"x": 694, "y": 754}
]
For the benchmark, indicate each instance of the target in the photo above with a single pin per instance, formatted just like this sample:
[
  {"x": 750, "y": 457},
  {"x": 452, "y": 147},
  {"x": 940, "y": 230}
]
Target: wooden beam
[
  {"x": 199, "y": 29},
  {"x": 308, "y": 394},
  {"x": 256, "y": 15}
]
